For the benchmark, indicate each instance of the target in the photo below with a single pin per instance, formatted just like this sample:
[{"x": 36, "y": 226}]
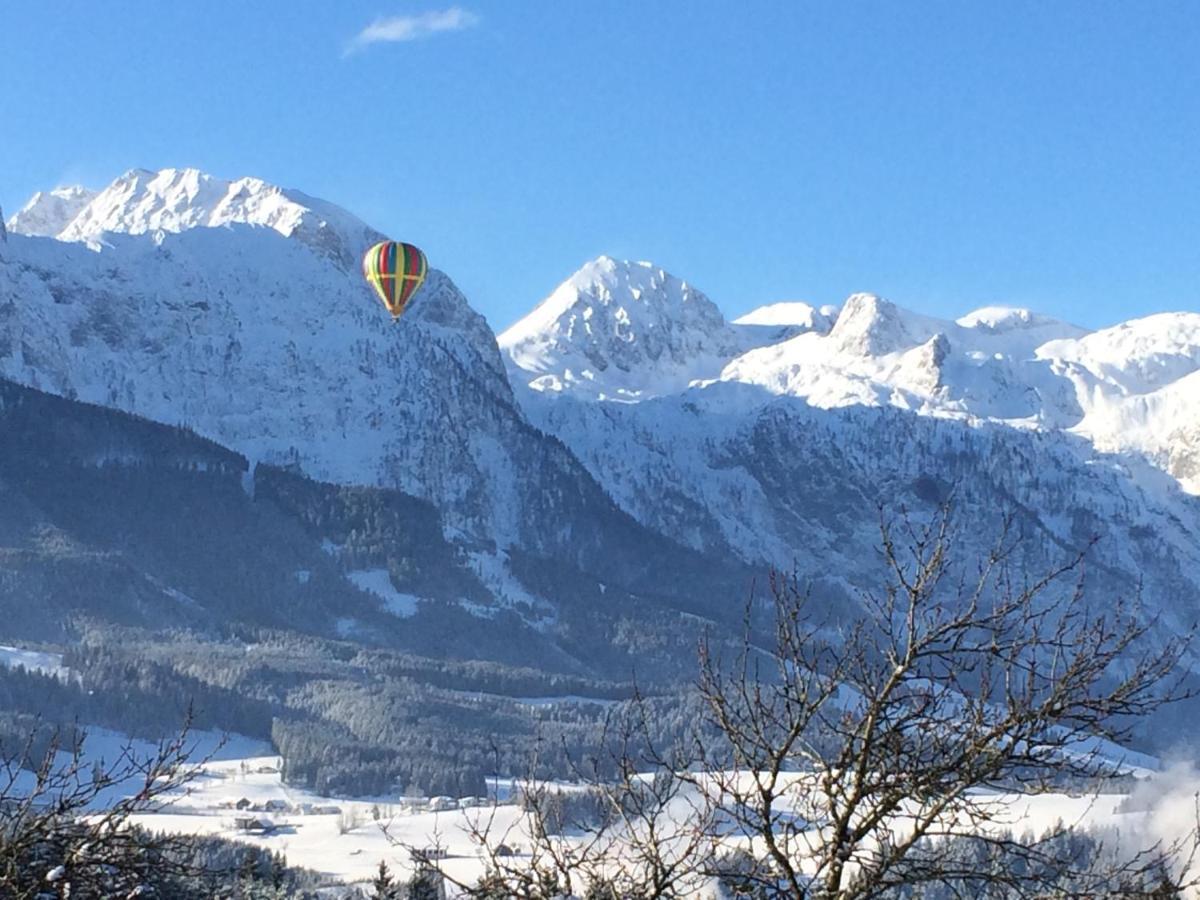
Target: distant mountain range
[{"x": 612, "y": 472}]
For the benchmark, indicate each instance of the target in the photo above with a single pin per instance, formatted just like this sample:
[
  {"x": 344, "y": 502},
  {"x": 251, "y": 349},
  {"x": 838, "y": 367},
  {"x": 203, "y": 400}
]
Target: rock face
[
  {"x": 623, "y": 432},
  {"x": 871, "y": 326}
]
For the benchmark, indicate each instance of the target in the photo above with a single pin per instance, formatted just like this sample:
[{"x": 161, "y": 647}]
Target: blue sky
[{"x": 946, "y": 155}]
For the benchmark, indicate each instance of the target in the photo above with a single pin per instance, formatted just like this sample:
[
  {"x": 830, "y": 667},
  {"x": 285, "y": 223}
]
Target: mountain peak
[
  {"x": 178, "y": 199},
  {"x": 49, "y": 212},
  {"x": 619, "y": 329},
  {"x": 871, "y": 326},
  {"x": 607, "y": 278},
  {"x": 1011, "y": 319}
]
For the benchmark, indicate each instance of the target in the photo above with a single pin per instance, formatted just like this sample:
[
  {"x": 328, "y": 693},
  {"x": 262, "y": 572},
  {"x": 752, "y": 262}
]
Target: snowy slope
[
  {"x": 629, "y": 331},
  {"x": 255, "y": 341},
  {"x": 802, "y": 315},
  {"x": 202, "y": 328},
  {"x": 779, "y": 481},
  {"x": 1138, "y": 386},
  {"x": 34, "y": 661},
  {"x": 349, "y": 844}
]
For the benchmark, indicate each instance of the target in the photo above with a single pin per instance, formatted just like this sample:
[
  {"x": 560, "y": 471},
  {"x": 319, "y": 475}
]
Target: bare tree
[
  {"x": 630, "y": 826},
  {"x": 880, "y": 758},
  {"x": 861, "y": 758},
  {"x": 66, "y": 823},
  {"x": 349, "y": 819}
]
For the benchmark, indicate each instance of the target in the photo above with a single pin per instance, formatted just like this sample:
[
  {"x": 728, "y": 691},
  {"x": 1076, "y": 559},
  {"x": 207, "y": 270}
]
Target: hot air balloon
[{"x": 396, "y": 270}]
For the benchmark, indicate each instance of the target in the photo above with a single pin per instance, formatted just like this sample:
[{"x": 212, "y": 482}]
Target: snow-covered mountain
[
  {"x": 176, "y": 200},
  {"x": 623, "y": 429},
  {"x": 1138, "y": 388},
  {"x": 620, "y": 331},
  {"x": 782, "y": 455},
  {"x": 1128, "y": 388},
  {"x": 260, "y": 339},
  {"x": 48, "y": 212}
]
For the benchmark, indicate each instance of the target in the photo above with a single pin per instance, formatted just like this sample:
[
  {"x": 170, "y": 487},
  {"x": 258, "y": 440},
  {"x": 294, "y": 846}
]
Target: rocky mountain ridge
[
  {"x": 1129, "y": 388},
  {"x": 623, "y": 439}
]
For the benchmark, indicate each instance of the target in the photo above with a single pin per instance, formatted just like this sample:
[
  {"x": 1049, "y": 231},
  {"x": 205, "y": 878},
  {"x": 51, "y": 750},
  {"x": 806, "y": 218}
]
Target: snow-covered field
[
  {"x": 377, "y": 582},
  {"x": 33, "y": 661},
  {"x": 335, "y": 836},
  {"x": 239, "y": 795},
  {"x": 345, "y": 839}
]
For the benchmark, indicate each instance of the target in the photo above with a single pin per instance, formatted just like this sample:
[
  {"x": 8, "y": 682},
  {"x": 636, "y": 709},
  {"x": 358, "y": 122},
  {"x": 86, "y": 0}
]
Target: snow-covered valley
[{"x": 238, "y": 794}]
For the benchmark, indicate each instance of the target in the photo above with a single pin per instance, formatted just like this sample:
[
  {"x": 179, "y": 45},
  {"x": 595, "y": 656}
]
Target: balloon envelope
[{"x": 396, "y": 270}]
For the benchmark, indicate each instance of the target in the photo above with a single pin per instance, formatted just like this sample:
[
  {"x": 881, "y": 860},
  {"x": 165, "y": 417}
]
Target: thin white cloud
[{"x": 398, "y": 29}]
